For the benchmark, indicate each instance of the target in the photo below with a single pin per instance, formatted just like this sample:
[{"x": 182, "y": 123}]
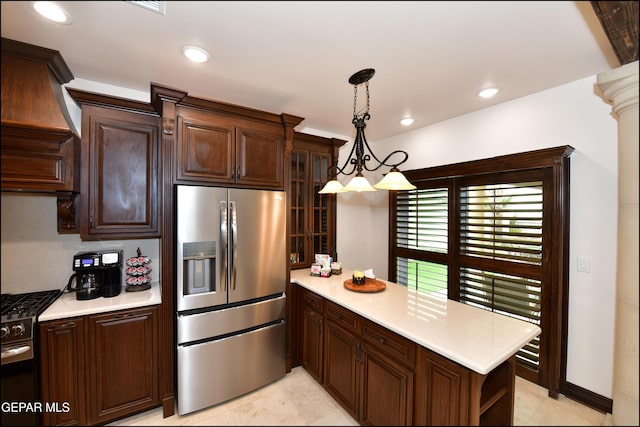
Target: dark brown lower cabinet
[
  {"x": 362, "y": 373},
  {"x": 122, "y": 363},
  {"x": 443, "y": 399},
  {"x": 104, "y": 366},
  {"x": 312, "y": 334},
  {"x": 382, "y": 378},
  {"x": 451, "y": 394},
  {"x": 386, "y": 390},
  {"x": 341, "y": 364},
  {"x": 62, "y": 370}
]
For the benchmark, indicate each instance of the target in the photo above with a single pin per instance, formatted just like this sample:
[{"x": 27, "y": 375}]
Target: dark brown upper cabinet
[
  {"x": 313, "y": 215},
  {"x": 229, "y": 149},
  {"x": 120, "y": 168}
]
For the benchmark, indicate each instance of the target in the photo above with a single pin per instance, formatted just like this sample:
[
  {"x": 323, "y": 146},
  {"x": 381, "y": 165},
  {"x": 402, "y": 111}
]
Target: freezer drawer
[
  {"x": 193, "y": 327},
  {"x": 216, "y": 371}
]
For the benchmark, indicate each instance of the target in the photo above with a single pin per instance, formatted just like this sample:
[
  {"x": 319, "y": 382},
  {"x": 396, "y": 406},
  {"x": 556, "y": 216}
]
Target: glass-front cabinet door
[
  {"x": 312, "y": 215},
  {"x": 298, "y": 194},
  {"x": 322, "y": 244}
]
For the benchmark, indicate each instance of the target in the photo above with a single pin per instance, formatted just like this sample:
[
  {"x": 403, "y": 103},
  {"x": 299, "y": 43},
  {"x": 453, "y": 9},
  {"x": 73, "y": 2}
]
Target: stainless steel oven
[{"x": 20, "y": 385}]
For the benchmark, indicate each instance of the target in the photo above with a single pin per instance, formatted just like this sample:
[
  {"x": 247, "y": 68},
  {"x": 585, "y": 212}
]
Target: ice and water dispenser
[{"x": 199, "y": 267}]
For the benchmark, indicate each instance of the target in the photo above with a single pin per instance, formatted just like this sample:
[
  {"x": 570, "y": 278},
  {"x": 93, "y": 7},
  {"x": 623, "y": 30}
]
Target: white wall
[{"x": 572, "y": 114}]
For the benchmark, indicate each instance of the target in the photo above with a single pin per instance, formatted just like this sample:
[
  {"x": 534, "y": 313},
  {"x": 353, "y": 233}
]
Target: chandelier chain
[{"x": 355, "y": 101}]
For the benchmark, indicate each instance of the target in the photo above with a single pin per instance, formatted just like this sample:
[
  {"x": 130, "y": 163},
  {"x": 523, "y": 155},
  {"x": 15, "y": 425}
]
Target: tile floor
[{"x": 297, "y": 399}]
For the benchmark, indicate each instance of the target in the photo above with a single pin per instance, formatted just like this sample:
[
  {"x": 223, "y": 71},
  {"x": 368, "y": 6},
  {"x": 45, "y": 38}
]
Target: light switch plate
[{"x": 584, "y": 264}]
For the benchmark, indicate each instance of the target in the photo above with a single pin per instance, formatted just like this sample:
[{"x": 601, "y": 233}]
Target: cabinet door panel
[
  {"x": 120, "y": 174},
  {"x": 313, "y": 229},
  {"x": 341, "y": 367},
  {"x": 124, "y": 155},
  {"x": 62, "y": 370},
  {"x": 387, "y": 391},
  {"x": 312, "y": 325},
  {"x": 260, "y": 158},
  {"x": 205, "y": 151},
  {"x": 300, "y": 243},
  {"x": 323, "y": 219},
  {"x": 447, "y": 391},
  {"x": 122, "y": 366}
]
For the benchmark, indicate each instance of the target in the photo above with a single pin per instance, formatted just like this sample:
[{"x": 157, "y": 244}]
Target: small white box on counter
[{"x": 324, "y": 260}]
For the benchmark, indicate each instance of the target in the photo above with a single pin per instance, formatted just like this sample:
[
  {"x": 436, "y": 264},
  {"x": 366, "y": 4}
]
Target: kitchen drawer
[
  {"x": 312, "y": 300},
  {"x": 389, "y": 343},
  {"x": 339, "y": 315}
]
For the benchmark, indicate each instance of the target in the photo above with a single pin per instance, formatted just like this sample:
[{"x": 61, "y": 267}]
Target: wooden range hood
[{"x": 40, "y": 145}]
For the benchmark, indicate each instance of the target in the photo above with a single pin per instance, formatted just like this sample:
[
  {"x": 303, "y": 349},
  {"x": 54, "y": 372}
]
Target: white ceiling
[{"x": 296, "y": 57}]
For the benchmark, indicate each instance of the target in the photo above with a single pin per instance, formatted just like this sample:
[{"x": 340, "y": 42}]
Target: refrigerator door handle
[
  {"x": 223, "y": 244},
  {"x": 234, "y": 245}
]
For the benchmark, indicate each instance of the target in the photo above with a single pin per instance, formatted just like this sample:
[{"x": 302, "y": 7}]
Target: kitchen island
[{"x": 452, "y": 363}]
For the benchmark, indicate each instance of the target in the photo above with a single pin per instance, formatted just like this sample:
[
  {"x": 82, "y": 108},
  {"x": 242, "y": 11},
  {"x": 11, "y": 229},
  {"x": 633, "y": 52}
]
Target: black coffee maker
[{"x": 96, "y": 274}]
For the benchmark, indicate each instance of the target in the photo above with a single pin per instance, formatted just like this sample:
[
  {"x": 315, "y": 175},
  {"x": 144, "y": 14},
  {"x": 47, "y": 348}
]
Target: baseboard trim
[{"x": 589, "y": 398}]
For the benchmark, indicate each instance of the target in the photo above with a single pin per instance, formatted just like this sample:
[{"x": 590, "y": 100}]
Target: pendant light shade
[
  {"x": 359, "y": 183},
  {"x": 394, "y": 180},
  {"x": 332, "y": 187}
]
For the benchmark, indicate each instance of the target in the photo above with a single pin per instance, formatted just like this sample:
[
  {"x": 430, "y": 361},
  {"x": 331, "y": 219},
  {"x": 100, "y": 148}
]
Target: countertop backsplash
[{"x": 36, "y": 258}]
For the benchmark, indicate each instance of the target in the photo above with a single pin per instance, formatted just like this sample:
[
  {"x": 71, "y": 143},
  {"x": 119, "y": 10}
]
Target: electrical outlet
[{"x": 584, "y": 264}]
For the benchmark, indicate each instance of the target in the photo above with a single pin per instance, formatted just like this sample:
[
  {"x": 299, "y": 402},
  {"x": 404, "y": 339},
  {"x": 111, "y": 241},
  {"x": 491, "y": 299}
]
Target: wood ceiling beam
[{"x": 619, "y": 19}]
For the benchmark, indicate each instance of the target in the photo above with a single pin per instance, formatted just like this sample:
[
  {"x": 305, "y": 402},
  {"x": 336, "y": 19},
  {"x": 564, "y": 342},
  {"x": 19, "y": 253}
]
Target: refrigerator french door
[{"x": 231, "y": 278}]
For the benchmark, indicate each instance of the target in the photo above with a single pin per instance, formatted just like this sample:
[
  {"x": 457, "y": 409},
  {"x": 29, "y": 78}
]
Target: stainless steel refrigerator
[{"x": 231, "y": 278}]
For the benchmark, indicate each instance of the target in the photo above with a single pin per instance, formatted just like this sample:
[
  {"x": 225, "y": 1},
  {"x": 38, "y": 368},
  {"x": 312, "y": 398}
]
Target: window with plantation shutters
[
  {"x": 493, "y": 234},
  {"x": 421, "y": 219},
  {"x": 502, "y": 222},
  {"x": 422, "y": 228}
]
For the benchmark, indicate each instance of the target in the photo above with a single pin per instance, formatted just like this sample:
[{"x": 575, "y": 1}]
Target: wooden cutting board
[{"x": 370, "y": 285}]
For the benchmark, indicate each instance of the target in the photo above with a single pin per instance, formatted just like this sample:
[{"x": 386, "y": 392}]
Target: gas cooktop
[
  {"x": 31, "y": 304},
  {"x": 19, "y": 312}
]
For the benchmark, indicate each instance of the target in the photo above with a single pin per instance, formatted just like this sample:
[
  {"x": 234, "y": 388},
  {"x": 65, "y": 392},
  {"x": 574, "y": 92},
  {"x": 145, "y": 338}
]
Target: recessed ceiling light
[
  {"x": 407, "y": 121},
  {"x": 195, "y": 53},
  {"x": 488, "y": 92},
  {"x": 52, "y": 11}
]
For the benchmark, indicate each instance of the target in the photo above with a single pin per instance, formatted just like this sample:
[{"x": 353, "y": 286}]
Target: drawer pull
[
  {"x": 382, "y": 341},
  {"x": 66, "y": 325}
]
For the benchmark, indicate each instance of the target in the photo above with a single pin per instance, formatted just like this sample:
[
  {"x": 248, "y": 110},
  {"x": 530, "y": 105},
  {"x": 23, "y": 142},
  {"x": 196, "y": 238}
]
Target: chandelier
[{"x": 393, "y": 180}]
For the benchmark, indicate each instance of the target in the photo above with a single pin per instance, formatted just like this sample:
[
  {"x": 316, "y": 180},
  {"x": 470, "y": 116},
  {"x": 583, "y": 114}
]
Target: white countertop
[
  {"x": 68, "y": 306},
  {"x": 475, "y": 338}
]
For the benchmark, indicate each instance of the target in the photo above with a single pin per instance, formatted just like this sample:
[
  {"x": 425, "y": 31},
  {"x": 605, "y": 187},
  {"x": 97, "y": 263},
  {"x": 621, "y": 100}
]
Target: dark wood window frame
[{"x": 552, "y": 165}]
